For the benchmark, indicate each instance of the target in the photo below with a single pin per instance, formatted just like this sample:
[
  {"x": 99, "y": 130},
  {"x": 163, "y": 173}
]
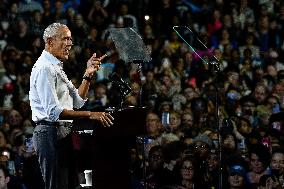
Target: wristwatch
[{"x": 87, "y": 78}]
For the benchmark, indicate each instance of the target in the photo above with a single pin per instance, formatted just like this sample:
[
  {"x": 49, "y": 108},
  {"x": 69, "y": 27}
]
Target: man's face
[
  {"x": 187, "y": 119},
  {"x": 212, "y": 162},
  {"x": 248, "y": 108},
  {"x": 277, "y": 162},
  {"x": 260, "y": 93},
  {"x": 152, "y": 123},
  {"x": 201, "y": 149},
  {"x": 60, "y": 44},
  {"x": 156, "y": 160}
]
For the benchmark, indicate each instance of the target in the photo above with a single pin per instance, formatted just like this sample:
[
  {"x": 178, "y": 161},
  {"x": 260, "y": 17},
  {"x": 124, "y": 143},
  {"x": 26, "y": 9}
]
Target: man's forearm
[
  {"x": 71, "y": 114},
  {"x": 105, "y": 118},
  {"x": 84, "y": 88}
]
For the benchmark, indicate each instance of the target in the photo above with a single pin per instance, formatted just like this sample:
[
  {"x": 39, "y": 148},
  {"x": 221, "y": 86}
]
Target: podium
[{"x": 110, "y": 147}]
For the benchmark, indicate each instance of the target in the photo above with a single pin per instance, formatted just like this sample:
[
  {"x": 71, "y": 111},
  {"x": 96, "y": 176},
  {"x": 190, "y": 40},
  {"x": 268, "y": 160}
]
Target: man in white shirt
[{"x": 52, "y": 98}]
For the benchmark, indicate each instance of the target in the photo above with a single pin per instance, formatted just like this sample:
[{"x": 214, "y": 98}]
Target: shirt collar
[{"x": 52, "y": 58}]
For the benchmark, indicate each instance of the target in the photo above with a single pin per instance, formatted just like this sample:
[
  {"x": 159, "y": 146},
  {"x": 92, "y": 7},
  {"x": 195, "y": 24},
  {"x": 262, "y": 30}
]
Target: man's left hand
[{"x": 94, "y": 64}]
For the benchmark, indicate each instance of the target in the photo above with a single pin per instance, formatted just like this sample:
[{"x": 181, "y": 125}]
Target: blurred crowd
[{"x": 228, "y": 96}]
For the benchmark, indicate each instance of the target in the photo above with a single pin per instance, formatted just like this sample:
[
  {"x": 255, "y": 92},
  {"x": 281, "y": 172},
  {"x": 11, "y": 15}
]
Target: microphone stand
[
  {"x": 139, "y": 71},
  {"x": 121, "y": 95},
  {"x": 215, "y": 71},
  {"x": 142, "y": 139},
  {"x": 124, "y": 89},
  {"x": 213, "y": 65}
]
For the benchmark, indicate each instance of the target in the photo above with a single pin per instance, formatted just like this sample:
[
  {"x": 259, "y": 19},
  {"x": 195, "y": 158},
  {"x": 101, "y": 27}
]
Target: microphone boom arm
[{"x": 216, "y": 59}]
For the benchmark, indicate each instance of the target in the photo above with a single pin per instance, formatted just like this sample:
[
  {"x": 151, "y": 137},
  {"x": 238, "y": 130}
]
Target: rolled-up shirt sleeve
[
  {"x": 45, "y": 83},
  {"x": 78, "y": 101}
]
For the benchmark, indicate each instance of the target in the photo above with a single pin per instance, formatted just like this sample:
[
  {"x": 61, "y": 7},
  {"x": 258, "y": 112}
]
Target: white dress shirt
[{"x": 50, "y": 90}]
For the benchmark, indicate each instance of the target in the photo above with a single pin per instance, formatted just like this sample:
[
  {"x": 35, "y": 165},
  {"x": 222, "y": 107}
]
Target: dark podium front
[{"x": 110, "y": 156}]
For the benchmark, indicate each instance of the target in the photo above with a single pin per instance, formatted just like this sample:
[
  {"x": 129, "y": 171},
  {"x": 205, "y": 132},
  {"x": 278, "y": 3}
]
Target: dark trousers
[{"x": 54, "y": 156}]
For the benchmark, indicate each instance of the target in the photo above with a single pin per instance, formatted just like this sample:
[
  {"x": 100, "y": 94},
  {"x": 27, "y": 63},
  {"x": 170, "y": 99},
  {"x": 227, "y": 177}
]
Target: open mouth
[{"x": 67, "y": 51}]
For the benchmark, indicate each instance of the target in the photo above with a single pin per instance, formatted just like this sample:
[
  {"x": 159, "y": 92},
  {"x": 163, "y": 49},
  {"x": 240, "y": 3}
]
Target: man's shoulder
[
  {"x": 42, "y": 65},
  {"x": 42, "y": 62}
]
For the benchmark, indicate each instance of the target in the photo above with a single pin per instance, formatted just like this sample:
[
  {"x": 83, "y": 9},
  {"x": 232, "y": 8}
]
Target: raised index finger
[
  {"x": 102, "y": 57},
  {"x": 94, "y": 56}
]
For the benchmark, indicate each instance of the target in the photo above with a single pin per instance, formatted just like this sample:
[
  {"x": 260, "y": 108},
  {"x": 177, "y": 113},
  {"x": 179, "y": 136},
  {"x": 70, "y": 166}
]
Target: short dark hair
[
  {"x": 279, "y": 150},
  {"x": 262, "y": 152}
]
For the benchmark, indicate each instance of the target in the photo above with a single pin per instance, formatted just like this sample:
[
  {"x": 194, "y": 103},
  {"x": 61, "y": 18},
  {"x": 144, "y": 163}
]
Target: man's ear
[
  {"x": 49, "y": 42},
  {"x": 7, "y": 179}
]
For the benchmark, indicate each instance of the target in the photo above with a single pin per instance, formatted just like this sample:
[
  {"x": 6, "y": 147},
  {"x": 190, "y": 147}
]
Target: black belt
[{"x": 57, "y": 124}]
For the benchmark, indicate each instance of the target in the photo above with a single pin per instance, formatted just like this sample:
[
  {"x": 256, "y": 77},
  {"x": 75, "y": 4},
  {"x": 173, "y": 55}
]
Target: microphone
[
  {"x": 110, "y": 53},
  {"x": 115, "y": 78}
]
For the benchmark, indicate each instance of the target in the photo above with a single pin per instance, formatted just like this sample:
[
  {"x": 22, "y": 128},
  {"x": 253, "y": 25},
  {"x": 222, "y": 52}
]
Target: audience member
[{"x": 177, "y": 80}]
